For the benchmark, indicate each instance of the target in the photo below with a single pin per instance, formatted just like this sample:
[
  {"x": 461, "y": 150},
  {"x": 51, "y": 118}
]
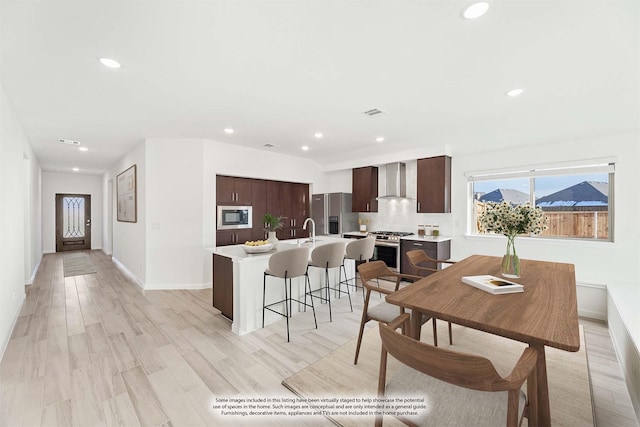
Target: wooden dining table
[{"x": 545, "y": 314}]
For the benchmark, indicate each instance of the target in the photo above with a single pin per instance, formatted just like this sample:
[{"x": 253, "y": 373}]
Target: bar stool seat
[
  {"x": 358, "y": 250},
  {"x": 328, "y": 256},
  {"x": 287, "y": 264}
]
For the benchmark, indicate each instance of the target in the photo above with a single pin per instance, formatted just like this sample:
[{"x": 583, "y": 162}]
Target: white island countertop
[{"x": 236, "y": 253}]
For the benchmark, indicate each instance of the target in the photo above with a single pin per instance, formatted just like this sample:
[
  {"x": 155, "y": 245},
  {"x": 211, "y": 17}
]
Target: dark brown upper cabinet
[
  {"x": 434, "y": 185},
  {"x": 287, "y": 199},
  {"x": 259, "y": 203},
  {"x": 365, "y": 189},
  {"x": 233, "y": 191}
]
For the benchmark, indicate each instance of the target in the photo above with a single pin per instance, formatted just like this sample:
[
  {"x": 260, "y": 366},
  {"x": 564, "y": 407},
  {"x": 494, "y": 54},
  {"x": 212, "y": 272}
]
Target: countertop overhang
[{"x": 236, "y": 253}]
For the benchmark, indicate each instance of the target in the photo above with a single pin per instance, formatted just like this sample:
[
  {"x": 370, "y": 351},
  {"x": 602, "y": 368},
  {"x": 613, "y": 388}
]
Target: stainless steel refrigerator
[{"x": 332, "y": 213}]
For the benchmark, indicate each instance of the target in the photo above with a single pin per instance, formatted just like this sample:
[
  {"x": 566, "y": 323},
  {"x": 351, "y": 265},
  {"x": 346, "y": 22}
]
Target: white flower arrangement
[
  {"x": 512, "y": 220},
  {"x": 505, "y": 218}
]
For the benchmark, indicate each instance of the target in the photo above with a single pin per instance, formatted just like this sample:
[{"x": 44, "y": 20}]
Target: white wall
[
  {"x": 19, "y": 172},
  {"x": 129, "y": 238},
  {"x": 165, "y": 249},
  {"x": 107, "y": 216},
  {"x": 70, "y": 183},
  {"x": 33, "y": 217},
  {"x": 174, "y": 220}
]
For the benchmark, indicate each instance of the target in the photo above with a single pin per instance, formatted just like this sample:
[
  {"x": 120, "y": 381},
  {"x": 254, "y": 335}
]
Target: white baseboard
[
  {"x": 592, "y": 300},
  {"x": 5, "y": 344},
  {"x": 176, "y": 286},
  {"x": 35, "y": 271},
  {"x": 592, "y": 314},
  {"x": 626, "y": 351},
  {"x": 128, "y": 273}
]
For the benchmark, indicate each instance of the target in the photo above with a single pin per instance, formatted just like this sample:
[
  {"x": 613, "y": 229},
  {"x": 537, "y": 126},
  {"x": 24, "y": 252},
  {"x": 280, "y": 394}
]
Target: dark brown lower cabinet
[
  {"x": 223, "y": 285},
  {"x": 436, "y": 250}
]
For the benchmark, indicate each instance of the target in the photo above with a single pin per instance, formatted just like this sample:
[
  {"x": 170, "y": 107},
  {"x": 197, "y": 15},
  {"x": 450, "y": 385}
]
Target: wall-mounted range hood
[{"x": 396, "y": 181}]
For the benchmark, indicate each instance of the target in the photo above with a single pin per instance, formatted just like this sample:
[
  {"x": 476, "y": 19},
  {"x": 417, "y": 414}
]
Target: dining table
[{"x": 545, "y": 314}]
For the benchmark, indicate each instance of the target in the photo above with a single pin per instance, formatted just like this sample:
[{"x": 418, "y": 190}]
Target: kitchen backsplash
[{"x": 400, "y": 215}]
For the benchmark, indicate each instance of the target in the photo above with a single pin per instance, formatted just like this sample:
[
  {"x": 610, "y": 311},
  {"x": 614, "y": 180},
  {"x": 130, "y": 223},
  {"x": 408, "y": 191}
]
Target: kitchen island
[{"x": 238, "y": 279}]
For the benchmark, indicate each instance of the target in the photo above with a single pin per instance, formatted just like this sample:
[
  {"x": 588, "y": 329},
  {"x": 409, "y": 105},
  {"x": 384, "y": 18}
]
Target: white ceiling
[{"x": 278, "y": 71}]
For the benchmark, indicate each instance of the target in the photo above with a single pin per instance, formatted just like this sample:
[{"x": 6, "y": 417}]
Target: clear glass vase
[{"x": 510, "y": 260}]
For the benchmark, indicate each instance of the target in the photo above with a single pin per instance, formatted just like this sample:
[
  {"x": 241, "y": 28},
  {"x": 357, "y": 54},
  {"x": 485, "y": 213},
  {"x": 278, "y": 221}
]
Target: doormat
[{"x": 76, "y": 264}]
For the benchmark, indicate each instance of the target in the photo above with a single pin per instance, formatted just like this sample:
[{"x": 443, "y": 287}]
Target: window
[{"x": 578, "y": 201}]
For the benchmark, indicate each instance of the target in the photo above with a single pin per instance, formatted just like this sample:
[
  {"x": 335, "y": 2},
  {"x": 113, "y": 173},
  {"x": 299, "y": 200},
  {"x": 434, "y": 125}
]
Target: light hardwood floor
[{"x": 96, "y": 350}]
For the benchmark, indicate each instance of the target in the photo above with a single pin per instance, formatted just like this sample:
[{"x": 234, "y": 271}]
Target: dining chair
[
  {"x": 383, "y": 311},
  {"x": 418, "y": 258},
  {"x": 358, "y": 250},
  {"x": 423, "y": 263},
  {"x": 287, "y": 264},
  {"x": 459, "y": 389},
  {"x": 326, "y": 257}
]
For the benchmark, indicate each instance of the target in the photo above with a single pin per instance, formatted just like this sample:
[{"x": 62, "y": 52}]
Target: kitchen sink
[{"x": 304, "y": 242}]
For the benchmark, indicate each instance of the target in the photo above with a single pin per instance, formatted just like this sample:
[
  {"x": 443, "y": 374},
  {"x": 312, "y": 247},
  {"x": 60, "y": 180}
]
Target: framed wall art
[{"x": 126, "y": 195}]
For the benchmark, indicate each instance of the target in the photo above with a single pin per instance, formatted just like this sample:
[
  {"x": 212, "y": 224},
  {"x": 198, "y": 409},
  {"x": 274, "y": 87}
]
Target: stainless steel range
[{"x": 388, "y": 246}]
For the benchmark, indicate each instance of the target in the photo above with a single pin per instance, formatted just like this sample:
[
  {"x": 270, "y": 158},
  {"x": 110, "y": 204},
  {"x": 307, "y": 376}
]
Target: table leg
[
  {"x": 416, "y": 324},
  {"x": 538, "y": 392}
]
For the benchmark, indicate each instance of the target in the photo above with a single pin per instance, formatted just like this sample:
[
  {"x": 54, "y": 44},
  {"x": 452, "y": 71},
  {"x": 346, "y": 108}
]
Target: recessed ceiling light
[
  {"x": 305, "y": 148},
  {"x": 515, "y": 92},
  {"x": 318, "y": 135},
  {"x": 475, "y": 10},
  {"x": 228, "y": 130},
  {"x": 75, "y": 169},
  {"x": 83, "y": 149},
  {"x": 108, "y": 62},
  {"x": 380, "y": 139}
]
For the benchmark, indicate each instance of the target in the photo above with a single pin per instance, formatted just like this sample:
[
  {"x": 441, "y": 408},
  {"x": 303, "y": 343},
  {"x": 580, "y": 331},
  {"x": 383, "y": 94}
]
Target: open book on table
[{"x": 492, "y": 284}]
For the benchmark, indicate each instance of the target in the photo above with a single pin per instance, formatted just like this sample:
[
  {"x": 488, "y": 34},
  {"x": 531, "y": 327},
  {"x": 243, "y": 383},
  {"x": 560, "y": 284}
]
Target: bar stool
[
  {"x": 328, "y": 256},
  {"x": 358, "y": 250},
  {"x": 287, "y": 264}
]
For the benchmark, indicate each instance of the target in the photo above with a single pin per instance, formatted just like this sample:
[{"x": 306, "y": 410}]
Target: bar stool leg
[
  {"x": 347, "y": 286},
  {"x": 327, "y": 291},
  {"x": 264, "y": 291},
  {"x": 286, "y": 302},
  {"x": 306, "y": 274},
  {"x": 308, "y": 282}
]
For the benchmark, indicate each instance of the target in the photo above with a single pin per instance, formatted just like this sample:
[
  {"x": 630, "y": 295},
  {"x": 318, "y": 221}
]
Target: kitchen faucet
[{"x": 313, "y": 229}]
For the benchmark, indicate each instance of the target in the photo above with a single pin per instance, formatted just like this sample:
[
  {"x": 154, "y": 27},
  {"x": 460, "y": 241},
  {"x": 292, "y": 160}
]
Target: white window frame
[{"x": 531, "y": 172}]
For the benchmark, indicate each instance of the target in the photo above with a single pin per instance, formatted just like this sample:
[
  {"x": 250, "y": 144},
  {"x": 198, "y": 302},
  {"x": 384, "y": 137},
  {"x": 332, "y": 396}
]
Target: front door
[{"x": 73, "y": 222}]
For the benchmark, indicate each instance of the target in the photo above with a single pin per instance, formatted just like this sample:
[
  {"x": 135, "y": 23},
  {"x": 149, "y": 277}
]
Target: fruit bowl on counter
[{"x": 258, "y": 246}]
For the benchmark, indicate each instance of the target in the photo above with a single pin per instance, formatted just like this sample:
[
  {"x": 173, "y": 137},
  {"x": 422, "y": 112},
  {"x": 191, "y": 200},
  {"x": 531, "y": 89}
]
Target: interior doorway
[{"x": 73, "y": 222}]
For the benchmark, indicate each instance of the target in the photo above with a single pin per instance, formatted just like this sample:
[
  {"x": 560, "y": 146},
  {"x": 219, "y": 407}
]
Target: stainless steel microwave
[{"x": 234, "y": 217}]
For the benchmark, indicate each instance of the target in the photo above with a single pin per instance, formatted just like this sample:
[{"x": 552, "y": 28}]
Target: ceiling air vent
[
  {"x": 69, "y": 141},
  {"x": 374, "y": 112}
]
